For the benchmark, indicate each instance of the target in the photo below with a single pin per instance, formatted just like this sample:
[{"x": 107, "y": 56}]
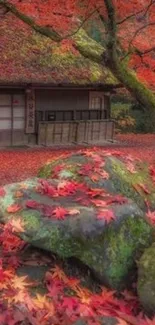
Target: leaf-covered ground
[
  {"x": 62, "y": 297},
  {"x": 18, "y": 164}
]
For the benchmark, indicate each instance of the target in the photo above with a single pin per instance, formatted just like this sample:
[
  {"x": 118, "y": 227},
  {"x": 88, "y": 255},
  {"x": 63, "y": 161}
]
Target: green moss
[
  {"x": 45, "y": 171},
  {"x": 116, "y": 250},
  {"x": 70, "y": 171},
  {"x": 32, "y": 220},
  {"x": 146, "y": 279},
  {"x": 124, "y": 182}
]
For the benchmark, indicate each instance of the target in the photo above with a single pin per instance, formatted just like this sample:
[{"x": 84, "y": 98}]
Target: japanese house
[{"x": 50, "y": 97}]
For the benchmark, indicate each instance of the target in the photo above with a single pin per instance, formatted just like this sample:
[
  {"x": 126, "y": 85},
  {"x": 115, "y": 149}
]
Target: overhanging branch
[
  {"x": 46, "y": 31},
  {"x": 145, "y": 10},
  {"x": 88, "y": 47}
]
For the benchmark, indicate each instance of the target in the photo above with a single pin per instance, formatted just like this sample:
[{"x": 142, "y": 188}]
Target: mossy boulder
[
  {"x": 68, "y": 218},
  {"x": 110, "y": 170},
  {"x": 146, "y": 280}
]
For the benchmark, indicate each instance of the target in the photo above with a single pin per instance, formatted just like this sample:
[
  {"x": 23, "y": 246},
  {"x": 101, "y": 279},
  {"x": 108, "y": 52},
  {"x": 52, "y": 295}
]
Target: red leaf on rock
[
  {"x": 47, "y": 188},
  {"x": 99, "y": 203},
  {"x": 31, "y": 204},
  {"x": 2, "y": 191},
  {"x": 131, "y": 168},
  {"x": 104, "y": 174},
  {"x": 83, "y": 201},
  {"x": 107, "y": 215},
  {"x": 144, "y": 188},
  {"x": 93, "y": 192},
  {"x": 152, "y": 172},
  {"x": 17, "y": 225},
  {"x": 151, "y": 216},
  {"x": 67, "y": 188},
  {"x": 94, "y": 178},
  {"x": 86, "y": 169},
  {"x": 73, "y": 212},
  {"x": 59, "y": 213},
  {"x": 119, "y": 199},
  {"x": 13, "y": 208}
]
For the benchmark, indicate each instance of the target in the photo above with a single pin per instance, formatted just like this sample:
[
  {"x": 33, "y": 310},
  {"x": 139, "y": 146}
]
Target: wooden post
[
  {"x": 30, "y": 111},
  {"x": 12, "y": 120}
]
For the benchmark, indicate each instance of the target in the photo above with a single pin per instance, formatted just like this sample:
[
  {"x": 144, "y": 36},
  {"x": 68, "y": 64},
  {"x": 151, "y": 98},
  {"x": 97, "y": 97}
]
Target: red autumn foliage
[
  {"x": 135, "y": 26},
  {"x": 13, "y": 167}
]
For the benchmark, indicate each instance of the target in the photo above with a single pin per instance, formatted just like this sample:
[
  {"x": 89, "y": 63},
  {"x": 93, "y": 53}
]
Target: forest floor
[{"x": 19, "y": 164}]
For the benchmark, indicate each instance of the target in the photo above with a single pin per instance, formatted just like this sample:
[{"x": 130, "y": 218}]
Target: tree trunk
[{"x": 137, "y": 89}]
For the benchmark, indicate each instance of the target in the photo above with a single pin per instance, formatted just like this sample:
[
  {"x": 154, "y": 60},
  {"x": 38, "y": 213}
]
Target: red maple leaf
[
  {"x": 46, "y": 188},
  {"x": 119, "y": 199},
  {"x": 144, "y": 188},
  {"x": 2, "y": 191},
  {"x": 59, "y": 213},
  {"x": 70, "y": 304},
  {"x": 67, "y": 188},
  {"x": 73, "y": 212},
  {"x": 151, "y": 216},
  {"x": 54, "y": 287},
  {"x": 152, "y": 172},
  {"x": 93, "y": 192},
  {"x": 84, "y": 201},
  {"x": 86, "y": 169},
  {"x": 31, "y": 204},
  {"x": 99, "y": 203},
  {"x": 107, "y": 215},
  {"x": 13, "y": 208}
]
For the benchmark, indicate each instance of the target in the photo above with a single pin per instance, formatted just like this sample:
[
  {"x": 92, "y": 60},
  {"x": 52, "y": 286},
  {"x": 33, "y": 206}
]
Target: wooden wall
[{"x": 56, "y": 133}]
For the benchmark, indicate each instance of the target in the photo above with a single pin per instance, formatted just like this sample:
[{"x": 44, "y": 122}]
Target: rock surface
[
  {"x": 105, "y": 232},
  {"x": 146, "y": 280}
]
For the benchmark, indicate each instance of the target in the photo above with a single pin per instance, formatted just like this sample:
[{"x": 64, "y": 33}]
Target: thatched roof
[{"x": 27, "y": 57}]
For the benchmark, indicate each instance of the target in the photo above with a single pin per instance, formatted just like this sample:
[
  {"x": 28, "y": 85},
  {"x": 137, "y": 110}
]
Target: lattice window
[{"x": 96, "y": 100}]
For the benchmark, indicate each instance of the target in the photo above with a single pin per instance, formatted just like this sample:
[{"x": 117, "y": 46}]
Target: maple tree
[{"x": 126, "y": 29}]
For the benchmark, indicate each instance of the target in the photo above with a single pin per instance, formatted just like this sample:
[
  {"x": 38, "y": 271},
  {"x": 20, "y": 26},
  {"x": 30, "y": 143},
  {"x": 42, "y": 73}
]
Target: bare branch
[
  {"x": 46, "y": 31},
  {"x": 82, "y": 23},
  {"x": 139, "y": 30},
  {"x": 147, "y": 8},
  {"x": 141, "y": 53},
  {"x": 138, "y": 52}
]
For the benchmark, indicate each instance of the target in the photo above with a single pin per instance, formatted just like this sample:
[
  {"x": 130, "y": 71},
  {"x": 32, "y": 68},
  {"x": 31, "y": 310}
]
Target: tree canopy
[{"x": 116, "y": 33}]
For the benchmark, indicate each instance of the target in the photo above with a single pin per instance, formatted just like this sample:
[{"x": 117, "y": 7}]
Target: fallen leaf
[
  {"x": 107, "y": 215},
  {"x": 18, "y": 194},
  {"x": 17, "y": 225},
  {"x": 59, "y": 213},
  {"x": 13, "y": 208},
  {"x": 31, "y": 204},
  {"x": 20, "y": 283},
  {"x": 73, "y": 212},
  {"x": 151, "y": 216},
  {"x": 2, "y": 192}
]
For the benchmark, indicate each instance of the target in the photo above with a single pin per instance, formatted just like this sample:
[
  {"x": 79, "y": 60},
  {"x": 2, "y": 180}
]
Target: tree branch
[
  {"x": 88, "y": 47},
  {"x": 137, "y": 13},
  {"x": 82, "y": 23},
  {"x": 141, "y": 53},
  {"x": 139, "y": 30},
  {"x": 46, "y": 31}
]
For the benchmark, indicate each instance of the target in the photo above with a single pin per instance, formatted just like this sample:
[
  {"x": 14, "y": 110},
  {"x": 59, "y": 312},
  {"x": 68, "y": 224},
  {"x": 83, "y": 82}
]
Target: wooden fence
[{"x": 75, "y": 132}]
